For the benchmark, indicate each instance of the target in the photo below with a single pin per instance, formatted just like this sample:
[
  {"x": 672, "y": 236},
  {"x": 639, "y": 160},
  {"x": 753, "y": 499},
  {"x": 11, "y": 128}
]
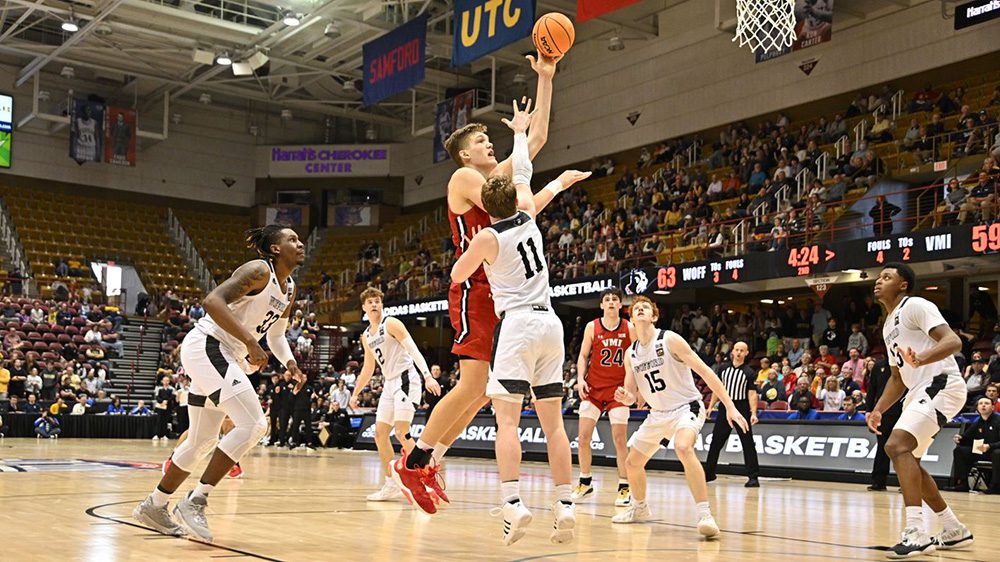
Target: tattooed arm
[{"x": 250, "y": 277}]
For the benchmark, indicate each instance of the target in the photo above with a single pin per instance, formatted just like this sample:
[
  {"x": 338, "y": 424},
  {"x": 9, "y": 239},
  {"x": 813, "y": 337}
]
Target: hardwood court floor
[{"x": 71, "y": 499}]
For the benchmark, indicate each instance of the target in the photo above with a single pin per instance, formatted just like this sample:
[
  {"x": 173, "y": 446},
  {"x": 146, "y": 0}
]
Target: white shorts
[
  {"x": 929, "y": 407},
  {"x": 527, "y": 356},
  {"x": 660, "y": 425},
  {"x": 616, "y": 416},
  {"x": 400, "y": 398},
  {"x": 214, "y": 370}
]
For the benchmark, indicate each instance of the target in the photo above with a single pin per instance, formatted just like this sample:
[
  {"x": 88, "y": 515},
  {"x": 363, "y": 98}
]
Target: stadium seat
[{"x": 778, "y": 405}]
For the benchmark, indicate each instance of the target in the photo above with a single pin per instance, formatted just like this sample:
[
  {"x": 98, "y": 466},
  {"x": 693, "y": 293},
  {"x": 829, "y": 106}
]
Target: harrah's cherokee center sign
[{"x": 305, "y": 161}]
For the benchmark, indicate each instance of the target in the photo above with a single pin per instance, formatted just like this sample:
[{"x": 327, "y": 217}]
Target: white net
[{"x": 765, "y": 25}]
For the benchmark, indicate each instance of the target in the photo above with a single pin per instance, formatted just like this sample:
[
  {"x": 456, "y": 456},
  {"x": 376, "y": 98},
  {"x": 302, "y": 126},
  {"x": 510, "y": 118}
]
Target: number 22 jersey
[
  {"x": 664, "y": 382},
  {"x": 257, "y": 313}
]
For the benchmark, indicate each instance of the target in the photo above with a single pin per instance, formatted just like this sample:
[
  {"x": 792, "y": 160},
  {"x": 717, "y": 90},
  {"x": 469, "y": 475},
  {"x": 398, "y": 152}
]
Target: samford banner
[
  {"x": 452, "y": 114},
  {"x": 813, "y": 25},
  {"x": 119, "y": 136},
  {"x": 395, "y": 61},
  {"x": 483, "y": 26},
  {"x": 589, "y": 9},
  {"x": 86, "y": 134}
]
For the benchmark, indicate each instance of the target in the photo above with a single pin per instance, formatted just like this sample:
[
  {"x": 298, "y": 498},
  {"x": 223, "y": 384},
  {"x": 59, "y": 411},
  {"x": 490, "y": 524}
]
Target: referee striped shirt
[{"x": 737, "y": 380}]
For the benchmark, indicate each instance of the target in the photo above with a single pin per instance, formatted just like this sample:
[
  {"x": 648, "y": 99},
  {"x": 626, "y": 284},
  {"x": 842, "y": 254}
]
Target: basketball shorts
[
  {"x": 400, "y": 398},
  {"x": 600, "y": 400},
  {"x": 660, "y": 425},
  {"x": 214, "y": 369},
  {"x": 470, "y": 307},
  {"x": 927, "y": 408},
  {"x": 527, "y": 356}
]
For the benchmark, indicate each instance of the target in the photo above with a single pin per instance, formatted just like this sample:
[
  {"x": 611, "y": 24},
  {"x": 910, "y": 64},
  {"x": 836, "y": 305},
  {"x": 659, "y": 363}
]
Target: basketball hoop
[{"x": 765, "y": 25}]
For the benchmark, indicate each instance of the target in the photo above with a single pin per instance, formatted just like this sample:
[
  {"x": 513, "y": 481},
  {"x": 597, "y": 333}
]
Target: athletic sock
[
  {"x": 622, "y": 483},
  {"x": 420, "y": 456},
  {"x": 915, "y": 517},
  {"x": 159, "y": 496},
  {"x": 202, "y": 490},
  {"x": 564, "y": 493},
  {"x": 586, "y": 479},
  {"x": 439, "y": 450},
  {"x": 703, "y": 510},
  {"x": 948, "y": 519},
  {"x": 510, "y": 492}
]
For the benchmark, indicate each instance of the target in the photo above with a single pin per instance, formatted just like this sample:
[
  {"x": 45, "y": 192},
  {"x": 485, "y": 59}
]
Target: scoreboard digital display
[{"x": 931, "y": 245}]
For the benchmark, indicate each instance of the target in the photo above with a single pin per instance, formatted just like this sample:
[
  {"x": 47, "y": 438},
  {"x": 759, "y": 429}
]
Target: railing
[
  {"x": 256, "y": 14},
  {"x": 187, "y": 249},
  {"x": 13, "y": 244},
  {"x": 841, "y": 146},
  {"x": 898, "y": 105}
]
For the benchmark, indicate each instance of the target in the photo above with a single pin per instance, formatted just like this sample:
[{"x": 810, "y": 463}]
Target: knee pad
[
  {"x": 242, "y": 438},
  {"x": 188, "y": 453}
]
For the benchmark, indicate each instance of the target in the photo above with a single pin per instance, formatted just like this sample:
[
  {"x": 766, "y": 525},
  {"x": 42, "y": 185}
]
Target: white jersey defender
[
  {"x": 937, "y": 391},
  {"x": 528, "y": 350},
  {"x": 403, "y": 387},
  {"x": 208, "y": 350},
  {"x": 667, "y": 385}
]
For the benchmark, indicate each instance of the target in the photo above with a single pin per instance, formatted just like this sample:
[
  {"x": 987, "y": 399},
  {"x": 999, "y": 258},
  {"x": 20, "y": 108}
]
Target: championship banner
[
  {"x": 119, "y": 136},
  {"x": 813, "y": 25},
  {"x": 590, "y": 9},
  {"x": 86, "y": 134},
  {"x": 394, "y": 62},
  {"x": 822, "y": 446},
  {"x": 452, "y": 114},
  {"x": 483, "y": 26}
]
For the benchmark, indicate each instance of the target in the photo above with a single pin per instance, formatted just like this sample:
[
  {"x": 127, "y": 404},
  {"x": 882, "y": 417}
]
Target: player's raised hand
[
  {"x": 624, "y": 397},
  {"x": 583, "y": 389},
  {"x": 736, "y": 419},
  {"x": 569, "y": 177},
  {"x": 874, "y": 420},
  {"x": 911, "y": 359},
  {"x": 544, "y": 66},
  {"x": 522, "y": 117},
  {"x": 432, "y": 386}
]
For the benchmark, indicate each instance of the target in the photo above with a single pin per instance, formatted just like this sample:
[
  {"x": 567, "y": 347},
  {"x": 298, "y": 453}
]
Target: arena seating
[{"x": 219, "y": 239}]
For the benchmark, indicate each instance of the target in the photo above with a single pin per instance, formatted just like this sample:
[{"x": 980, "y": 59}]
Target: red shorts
[
  {"x": 470, "y": 306},
  {"x": 604, "y": 398}
]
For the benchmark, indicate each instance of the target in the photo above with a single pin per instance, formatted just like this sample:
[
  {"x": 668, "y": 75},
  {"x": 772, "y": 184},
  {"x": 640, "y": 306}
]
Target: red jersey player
[
  {"x": 600, "y": 370},
  {"x": 470, "y": 303}
]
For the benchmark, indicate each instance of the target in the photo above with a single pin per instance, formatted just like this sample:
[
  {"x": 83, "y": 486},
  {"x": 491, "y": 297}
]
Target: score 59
[{"x": 986, "y": 237}]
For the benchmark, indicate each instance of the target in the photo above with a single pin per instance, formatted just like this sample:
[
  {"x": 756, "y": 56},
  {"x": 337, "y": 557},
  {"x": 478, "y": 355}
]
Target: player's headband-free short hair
[
  {"x": 371, "y": 292},
  {"x": 612, "y": 291},
  {"x": 906, "y": 272},
  {"x": 643, "y": 299},
  {"x": 459, "y": 140}
]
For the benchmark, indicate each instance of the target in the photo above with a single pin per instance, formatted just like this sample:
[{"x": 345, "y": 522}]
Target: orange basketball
[{"x": 553, "y": 34}]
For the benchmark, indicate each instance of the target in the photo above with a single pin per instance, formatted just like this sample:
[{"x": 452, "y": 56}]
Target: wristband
[{"x": 555, "y": 187}]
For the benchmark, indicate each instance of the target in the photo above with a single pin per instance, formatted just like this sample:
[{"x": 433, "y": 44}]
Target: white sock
[
  {"x": 439, "y": 450},
  {"x": 510, "y": 492},
  {"x": 915, "y": 517},
  {"x": 202, "y": 490},
  {"x": 564, "y": 492},
  {"x": 424, "y": 445},
  {"x": 948, "y": 519},
  {"x": 159, "y": 498},
  {"x": 622, "y": 481},
  {"x": 930, "y": 521},
  {"x": 703, "y": 510}
]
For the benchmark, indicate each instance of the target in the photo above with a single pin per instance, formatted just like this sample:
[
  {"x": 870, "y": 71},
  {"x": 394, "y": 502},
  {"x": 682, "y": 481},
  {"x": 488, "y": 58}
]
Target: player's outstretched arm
[
  {"x": 520, "y": 160},
  {"x": 367, "y": 370},
  {"x": 250, "y": 277},
  {"x": 557, "y": 186},
  {"x": 682, "y": 351},
  {"x": 399, "y": 332},
  {"x": 583, "y": 361},
  {"x": 539, "y": 135},
  {"x": 482, "y": 248}
]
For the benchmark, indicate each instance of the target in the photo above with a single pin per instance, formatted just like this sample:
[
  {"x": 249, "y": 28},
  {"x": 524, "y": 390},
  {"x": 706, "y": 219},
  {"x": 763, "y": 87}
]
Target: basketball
[{"x": 553, "y": 34}]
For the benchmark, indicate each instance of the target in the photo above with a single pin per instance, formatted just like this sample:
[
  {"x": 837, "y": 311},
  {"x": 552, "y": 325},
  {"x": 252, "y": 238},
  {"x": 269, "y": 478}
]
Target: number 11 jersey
[
  {"x": 258, "y": 313},
  {"x": 664, "y": 382},
  {"x": 519, "y": 275}
]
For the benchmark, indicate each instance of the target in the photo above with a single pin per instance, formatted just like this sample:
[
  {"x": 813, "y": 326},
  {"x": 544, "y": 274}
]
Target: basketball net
[{"x": 765, "y": 25}]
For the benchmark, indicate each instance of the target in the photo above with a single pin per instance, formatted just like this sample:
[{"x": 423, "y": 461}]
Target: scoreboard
[{"x": 944, "y": 243}]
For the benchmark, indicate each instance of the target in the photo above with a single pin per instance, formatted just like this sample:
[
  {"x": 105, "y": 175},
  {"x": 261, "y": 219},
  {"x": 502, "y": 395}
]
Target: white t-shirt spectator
[
  {"x": 566, "y": 239},
  {"x": 93, "y": 336},
  {"x": 715, "y": 187},
  {"x": 832, "y": 399},
  {"x": 341, "y": 396},
  {"x": 79, "y": 409}
]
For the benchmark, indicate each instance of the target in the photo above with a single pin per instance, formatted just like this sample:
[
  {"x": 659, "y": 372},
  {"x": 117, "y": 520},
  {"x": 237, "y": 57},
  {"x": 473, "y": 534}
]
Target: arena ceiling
[{"x": 141, "y": 51}]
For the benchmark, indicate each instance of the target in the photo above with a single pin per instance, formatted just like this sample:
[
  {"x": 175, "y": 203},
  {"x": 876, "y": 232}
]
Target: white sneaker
[
  {"x": 389, "y": 491},
  {"x": 516, "y": 519},
  {"x": 155, "y": 438},
  {"x": 581, "y": 491},
  {"x": 955, "y": 538},
  {"x": 633, "y": 514},
  {"x": 913, "y": 543},
  {"x": 564, "y": 522},
  {"x": 624, "y": 497},
  {"x": 708, "y": 527}
]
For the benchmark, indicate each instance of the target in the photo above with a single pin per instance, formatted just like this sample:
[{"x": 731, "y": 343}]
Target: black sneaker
[
  {"x": 877, "y": 488},
  {"x": 710, "y": 478},
  {"x": 913, "y": 543},
  {"x": 752, "y": 483}
]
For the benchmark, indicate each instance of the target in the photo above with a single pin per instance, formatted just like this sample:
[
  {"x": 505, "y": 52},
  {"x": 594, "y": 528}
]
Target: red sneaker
[
  {"x": 235, "y": 472},
  {"x": 166, "y": 465},
  {"x": 411, "y": 483},
  {"x": 434, "y": 481}
]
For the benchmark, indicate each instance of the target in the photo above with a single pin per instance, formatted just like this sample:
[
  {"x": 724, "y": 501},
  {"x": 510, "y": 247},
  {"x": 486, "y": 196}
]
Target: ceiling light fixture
[
  {"x": 766, "y": 301},
  {"x": 349, "y": 86},
  {"x": 661, "y": 292},
  {"x": 205, "y": 98},
  {"x": 332, "y": 30},
  {"x": 291, "y": 19},
  {"x": 223, "y": 59},
  {"x": 70, "y": 25},
  {"x": 616, "y": 44},
  {"x": 286, "y": 114},
  {"x": 519, "y": 80}
]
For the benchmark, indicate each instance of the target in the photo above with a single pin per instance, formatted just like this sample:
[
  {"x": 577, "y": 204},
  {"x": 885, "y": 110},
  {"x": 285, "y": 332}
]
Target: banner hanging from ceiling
[
  {"x": 813, "y": 25},
  {"x": 590, "y": 9},
  {"x": 483, "y": 26},
  {"x": 86, "y": 136},
  {"x": 119, "y": 136},
  {"x": 395, "y": 61},
  {"x": 452, "y": 114}
]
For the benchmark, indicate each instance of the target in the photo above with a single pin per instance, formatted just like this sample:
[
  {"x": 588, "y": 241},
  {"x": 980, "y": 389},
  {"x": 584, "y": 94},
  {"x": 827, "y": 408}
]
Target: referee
[{"x": 739, "y": 380}]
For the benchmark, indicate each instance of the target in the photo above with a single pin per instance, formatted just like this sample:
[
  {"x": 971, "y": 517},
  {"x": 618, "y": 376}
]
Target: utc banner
[
  {"x": 86, "y": 136},
  {"x": 483, "y": 26},
  {"x": 119, "y": 136},
  {"x": 589, "y": 9},
  {"x": 395, "y": 62}
]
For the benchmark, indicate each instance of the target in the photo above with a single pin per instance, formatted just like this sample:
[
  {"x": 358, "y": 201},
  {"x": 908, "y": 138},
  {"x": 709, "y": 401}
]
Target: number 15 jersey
[
  {"x": 257, "y": 313},
  {"x": 519, "y": 275},
  {"x": 664, "y": 382}
]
